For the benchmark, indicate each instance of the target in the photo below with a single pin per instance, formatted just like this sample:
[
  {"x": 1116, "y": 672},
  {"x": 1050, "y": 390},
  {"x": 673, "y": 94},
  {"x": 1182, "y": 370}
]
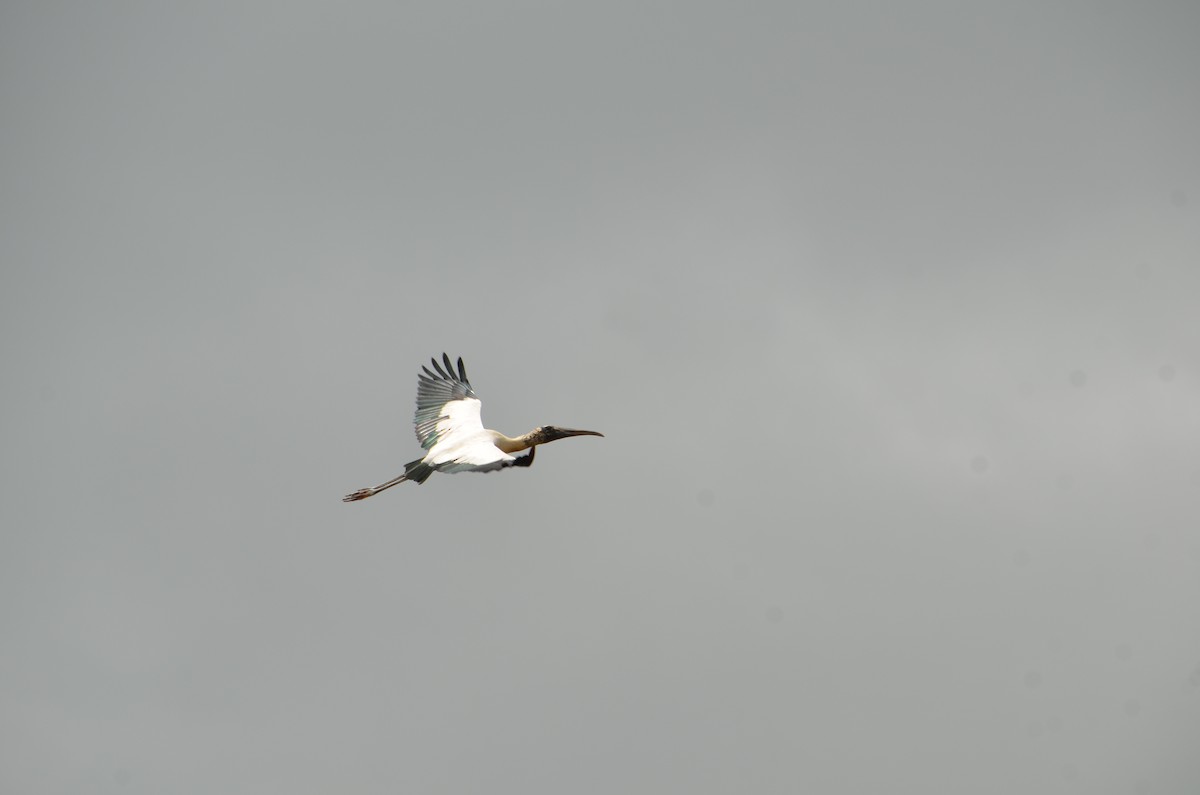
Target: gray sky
[{"x": 888, "y": 311}]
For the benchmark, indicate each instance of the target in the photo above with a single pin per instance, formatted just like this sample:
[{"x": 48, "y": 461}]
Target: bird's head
[{"x": 550, "y": 433}]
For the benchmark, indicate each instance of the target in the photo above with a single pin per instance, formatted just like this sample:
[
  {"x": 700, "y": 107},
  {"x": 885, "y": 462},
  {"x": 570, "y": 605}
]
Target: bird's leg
[
  {"x": 526, "y": 460},
  {"x": 362, "y": 494}
]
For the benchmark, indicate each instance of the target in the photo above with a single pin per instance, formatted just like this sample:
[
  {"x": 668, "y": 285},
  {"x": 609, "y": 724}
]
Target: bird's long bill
[{"x": 563, "y": 433}]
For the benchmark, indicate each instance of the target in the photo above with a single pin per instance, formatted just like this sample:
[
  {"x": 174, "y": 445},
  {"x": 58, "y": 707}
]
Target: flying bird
[{"x": 449, "y": 428}]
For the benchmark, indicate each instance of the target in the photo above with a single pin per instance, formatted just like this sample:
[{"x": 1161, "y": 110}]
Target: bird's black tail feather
[{"x": 417, "y": 471}]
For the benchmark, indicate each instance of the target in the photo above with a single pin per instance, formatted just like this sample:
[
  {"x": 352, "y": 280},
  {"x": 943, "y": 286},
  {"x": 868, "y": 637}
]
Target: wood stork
[{"x": 449, "y": 428}]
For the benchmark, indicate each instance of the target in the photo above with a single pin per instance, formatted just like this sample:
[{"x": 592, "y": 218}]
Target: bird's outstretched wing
[
  {"x": 448, "y": 422},
  {"x": 446, "y": 404}
]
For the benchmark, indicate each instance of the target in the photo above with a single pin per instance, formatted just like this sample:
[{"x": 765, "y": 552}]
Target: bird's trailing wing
[{"x": 435, "y": 420}]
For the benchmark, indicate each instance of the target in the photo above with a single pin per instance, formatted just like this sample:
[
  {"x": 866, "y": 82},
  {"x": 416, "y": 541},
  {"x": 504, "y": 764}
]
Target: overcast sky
[{"x": 889, "y": 313}]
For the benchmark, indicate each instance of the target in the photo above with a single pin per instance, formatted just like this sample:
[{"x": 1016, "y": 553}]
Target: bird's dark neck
[{"x": 518, "y": 444}]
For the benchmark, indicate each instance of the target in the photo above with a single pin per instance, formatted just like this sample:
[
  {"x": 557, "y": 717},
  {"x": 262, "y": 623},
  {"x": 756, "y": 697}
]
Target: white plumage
[{"x": 463, "y": 444}]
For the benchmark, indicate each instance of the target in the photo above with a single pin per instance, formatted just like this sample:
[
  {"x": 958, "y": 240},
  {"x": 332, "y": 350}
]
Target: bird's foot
[{"x": 361, "y": 494}]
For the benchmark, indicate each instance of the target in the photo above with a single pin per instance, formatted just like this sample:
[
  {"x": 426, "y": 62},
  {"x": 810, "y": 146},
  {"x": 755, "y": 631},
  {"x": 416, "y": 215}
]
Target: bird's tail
[{"x": 417, "y": 471}]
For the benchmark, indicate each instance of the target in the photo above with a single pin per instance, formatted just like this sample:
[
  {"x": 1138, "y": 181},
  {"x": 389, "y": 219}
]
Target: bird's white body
[{"x": 463, "y": 444}]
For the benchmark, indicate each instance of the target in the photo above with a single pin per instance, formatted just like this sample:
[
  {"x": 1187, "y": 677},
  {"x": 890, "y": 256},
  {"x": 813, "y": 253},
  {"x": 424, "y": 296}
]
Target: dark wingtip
[
  {"x": 448, "y": 373},
  {"x": 438, "y": 367}
]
